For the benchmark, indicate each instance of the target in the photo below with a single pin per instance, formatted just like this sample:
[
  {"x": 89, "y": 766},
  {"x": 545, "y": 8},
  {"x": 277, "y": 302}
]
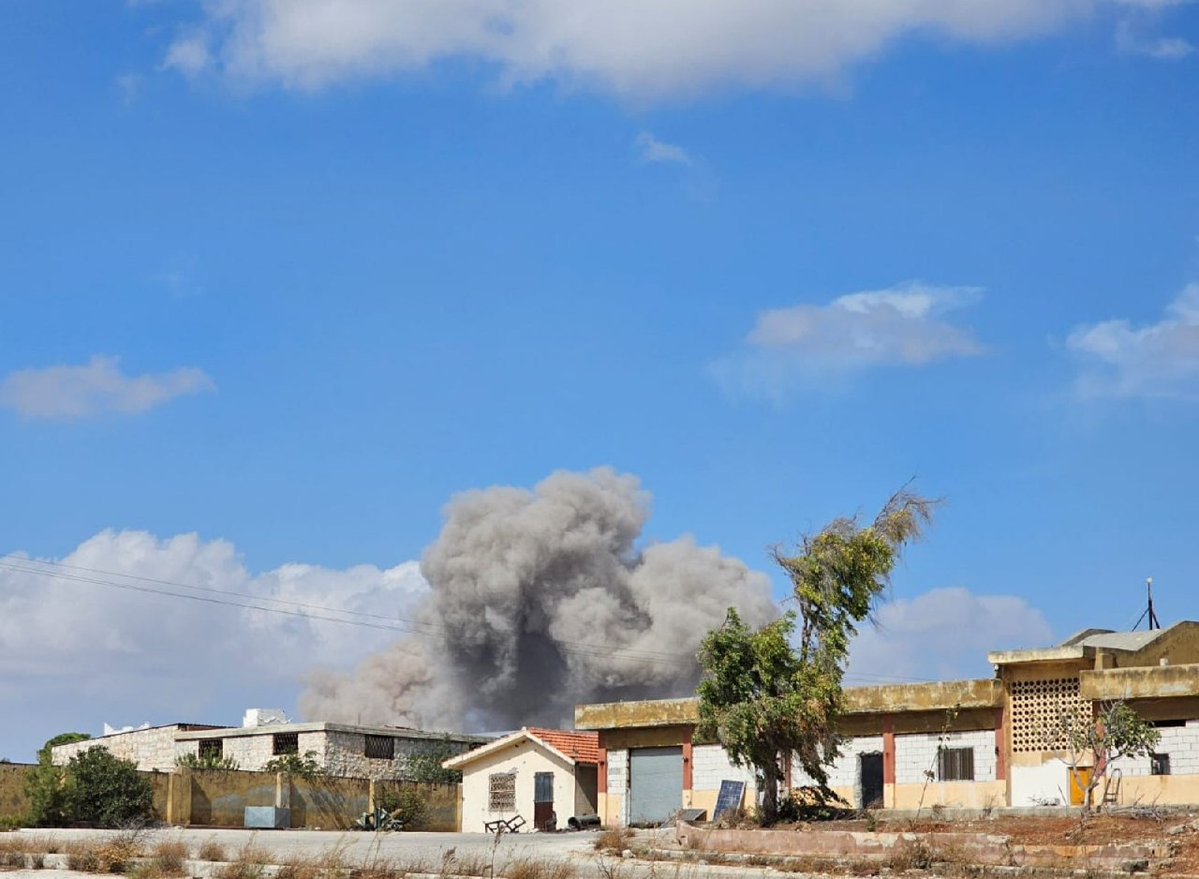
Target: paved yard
[{"x": 358, "y": 846}]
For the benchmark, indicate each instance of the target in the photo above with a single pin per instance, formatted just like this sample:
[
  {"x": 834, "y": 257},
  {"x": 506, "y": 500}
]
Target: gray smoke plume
[{"x": 541, "y": 600}]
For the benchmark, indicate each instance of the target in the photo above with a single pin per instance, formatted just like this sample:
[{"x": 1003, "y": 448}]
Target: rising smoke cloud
[{"x": 540, "y": 600}]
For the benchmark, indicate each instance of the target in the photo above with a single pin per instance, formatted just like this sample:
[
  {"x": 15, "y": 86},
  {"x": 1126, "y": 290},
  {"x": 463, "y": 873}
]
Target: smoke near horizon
[{"x": 540, "y": 600}]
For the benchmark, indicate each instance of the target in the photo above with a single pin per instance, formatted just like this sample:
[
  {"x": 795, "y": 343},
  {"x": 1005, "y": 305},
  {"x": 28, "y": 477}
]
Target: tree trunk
[{"x": 770, "y": 796}]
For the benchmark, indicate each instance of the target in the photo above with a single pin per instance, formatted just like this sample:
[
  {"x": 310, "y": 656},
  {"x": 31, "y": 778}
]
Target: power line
[
  {"x": 22, "y": 564},
  {"x": 577, "y": 648}
]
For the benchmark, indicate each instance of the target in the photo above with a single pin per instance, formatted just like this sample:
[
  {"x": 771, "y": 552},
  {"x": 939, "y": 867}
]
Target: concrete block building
[
  {"x": 974, "y": 743},
  {"x": 339, "y": 749}
]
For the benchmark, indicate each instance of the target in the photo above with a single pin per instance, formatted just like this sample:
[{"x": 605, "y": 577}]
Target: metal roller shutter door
[{"x": 655, "y": 784}]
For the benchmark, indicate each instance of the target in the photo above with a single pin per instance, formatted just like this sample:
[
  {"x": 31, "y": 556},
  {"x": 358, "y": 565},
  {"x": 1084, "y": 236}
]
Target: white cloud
[
  {"x": 652, "y": 151},
  {"x": 809, "y": 344},
  {"x": 129, "y": 87},
  {"x": 189, "y": 55},
  {"x": 1156, "y": 360},
  {"x": 88, "y": 652},
  {"x": 1130, "y": 42},
  {"x": 640, "y": 48},
  {"x": 66, "y": 393},
  {"x": 942, "y": 635}
]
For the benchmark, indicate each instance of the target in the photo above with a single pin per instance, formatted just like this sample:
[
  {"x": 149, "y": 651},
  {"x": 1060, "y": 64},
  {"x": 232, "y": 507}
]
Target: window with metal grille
[
  {"x": 214, "y": 748},
  {"x": 1159, "y": 764},
  {"x": 285, "y": 743},
  {"x": 502, "y": 792},
  {"x": 955, "y": 764},
  {"x": 380, "y": 748}
]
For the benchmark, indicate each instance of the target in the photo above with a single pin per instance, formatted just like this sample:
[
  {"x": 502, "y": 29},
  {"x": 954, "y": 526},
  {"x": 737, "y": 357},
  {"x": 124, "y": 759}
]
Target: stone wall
[
  {"x": 253, "y": 752},
  {"x": 151, "y": 749},
  {"x": 345, "y": 754},
  {"x": 917, "y": 754}
]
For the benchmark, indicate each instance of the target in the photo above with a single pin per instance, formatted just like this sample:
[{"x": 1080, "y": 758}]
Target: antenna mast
[{"x": 1154, "y": 623}]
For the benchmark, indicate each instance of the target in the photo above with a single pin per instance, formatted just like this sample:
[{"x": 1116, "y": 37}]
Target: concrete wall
[
  {"x": 614, "y": 806},
  {"x": 524, "y": 759},
  {"x": 954, "y": 794},
  {"x": 151, "y": 749},
  {"x": 1045, "y": 784},
  {"x": 711, "y": 766},
  {"x": 13, "y": 803},
  {"x": 219, "y": 799},
  {"x": 1180, "y": 742},
  {"x": 917, "y": 754}
]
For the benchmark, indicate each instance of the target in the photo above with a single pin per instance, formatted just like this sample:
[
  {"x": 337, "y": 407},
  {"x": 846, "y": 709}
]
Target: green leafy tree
[
  {"x": 1115, "y": 730},
  {"x": 775, "y": 692},
  {"x": 47, "y": 786},
  {"x": 106, "y": 791},
  {"x": 425, "y": 765}
]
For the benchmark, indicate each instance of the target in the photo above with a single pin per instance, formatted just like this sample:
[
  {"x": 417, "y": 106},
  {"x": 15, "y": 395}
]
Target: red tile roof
[{"x": 582, "y": 747}]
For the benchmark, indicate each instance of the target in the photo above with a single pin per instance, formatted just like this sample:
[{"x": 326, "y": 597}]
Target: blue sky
[{"x": 288, "y": 277}]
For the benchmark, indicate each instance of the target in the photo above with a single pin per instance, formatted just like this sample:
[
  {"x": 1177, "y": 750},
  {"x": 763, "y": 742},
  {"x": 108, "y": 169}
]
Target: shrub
[
  {"x": 425, "y": 765},
  {"x": 169, "y": 856},
  {"x": 48, "y": 786},
  {"x": 405, "y": 804},
  {"x": 206, "y": 761},
  {"x": 10, "y": 822},
  {"x": 105, "y": 791},
  {"x": 211, "y": 850},
  {"x": 305, "y": 767}
]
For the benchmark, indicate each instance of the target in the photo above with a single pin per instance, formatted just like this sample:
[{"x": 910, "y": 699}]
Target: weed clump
[
  {"x": 613, "y": 840},
  {"x": 211, "y": 850}
]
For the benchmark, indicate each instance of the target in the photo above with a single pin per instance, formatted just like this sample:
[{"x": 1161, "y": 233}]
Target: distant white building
[{"x": 339, "y": 749}]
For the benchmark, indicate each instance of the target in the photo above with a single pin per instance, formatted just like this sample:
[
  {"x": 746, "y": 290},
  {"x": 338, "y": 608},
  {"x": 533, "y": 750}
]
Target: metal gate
[{"x": 655, "y": 784}]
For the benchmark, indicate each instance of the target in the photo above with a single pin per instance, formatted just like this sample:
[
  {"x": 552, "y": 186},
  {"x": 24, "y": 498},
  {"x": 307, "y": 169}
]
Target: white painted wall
[
  {"x": 1044, "y": 785},
  {"x": 525, "y": 759},
  {"x": 916, "y": 754}
]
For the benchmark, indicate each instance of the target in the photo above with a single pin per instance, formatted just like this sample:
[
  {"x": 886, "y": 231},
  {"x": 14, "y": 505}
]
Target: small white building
[{"x": 545, "y": 776}]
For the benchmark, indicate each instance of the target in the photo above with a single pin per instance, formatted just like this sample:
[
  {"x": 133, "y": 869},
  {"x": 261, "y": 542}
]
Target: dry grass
[
  {"x": 211, "y": 850},
  {"x": 613, "y": 840},
  {"x": 168, "y": 856},
  {"x": 530, "y": 868}
]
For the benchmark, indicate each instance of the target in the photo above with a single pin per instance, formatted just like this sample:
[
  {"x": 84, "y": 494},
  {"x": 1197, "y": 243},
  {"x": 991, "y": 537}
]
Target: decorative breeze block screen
[{"x": 1042, "y": 712}]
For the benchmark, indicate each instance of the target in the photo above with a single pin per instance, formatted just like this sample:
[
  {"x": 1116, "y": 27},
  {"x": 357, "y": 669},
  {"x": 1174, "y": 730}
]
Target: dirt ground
[{"x": 1065, "y": 830}]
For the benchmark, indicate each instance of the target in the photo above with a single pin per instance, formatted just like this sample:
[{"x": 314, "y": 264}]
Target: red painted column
[
  {"x": 688, "y": 763},
  {"x": 888, "y": 750}
]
